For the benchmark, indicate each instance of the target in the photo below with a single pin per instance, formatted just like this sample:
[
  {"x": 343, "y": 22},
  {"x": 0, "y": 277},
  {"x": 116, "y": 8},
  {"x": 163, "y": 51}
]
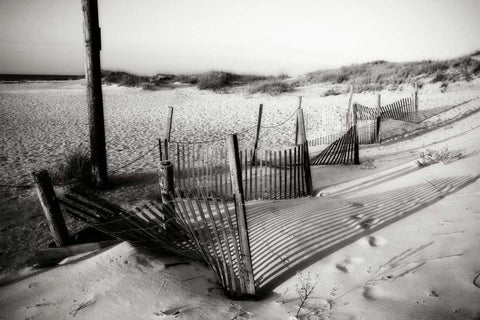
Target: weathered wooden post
[
  {"x": 356, "y": 151},
  {"x": 257, "y": 135},
  {"x": 91, "y": 32},
  {"x": 51, "y": 208},
  {"x": 302, "y": 140},
  {"x": 349, "y": 107},
  {"x": 296, "y": 124},
  {"x": 246, "y": 269},
  {"x": 167, "y": 135},
  {"x": 415, "y": 97},
  {"x": 379, "y": 118},
  {"x": 166, "y": 182},
  {"x": 168, "y": 128}
]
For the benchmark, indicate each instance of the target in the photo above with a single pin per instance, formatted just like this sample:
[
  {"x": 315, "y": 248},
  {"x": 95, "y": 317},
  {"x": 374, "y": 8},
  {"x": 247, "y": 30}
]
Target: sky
[{"x": 246, "y": 36}]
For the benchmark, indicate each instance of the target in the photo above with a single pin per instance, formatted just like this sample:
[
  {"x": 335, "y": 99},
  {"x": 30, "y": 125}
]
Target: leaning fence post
[
  {"x": 296, "y": 124},
  {"x": 302, "y": 140},
  {"x": 257, "y": 136},
  {"x": 237, "y": 190},
  {"x": 356, "y": 152},
  {"x": 379, "y": 118},
  {"x": 51, "y": 208},
  {"x": 349, "y": 107}
]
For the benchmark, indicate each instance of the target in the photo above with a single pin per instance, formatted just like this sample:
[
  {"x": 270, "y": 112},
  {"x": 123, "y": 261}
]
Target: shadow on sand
[{"x": 286, "y": 237}]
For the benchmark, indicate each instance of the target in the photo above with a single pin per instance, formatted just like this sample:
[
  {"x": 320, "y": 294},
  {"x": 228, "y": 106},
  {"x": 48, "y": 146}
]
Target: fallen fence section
[
  {"x": 212, "y": 225},
  {"x": 150, "y": 224},
  {"x": 342, "y": 151}
]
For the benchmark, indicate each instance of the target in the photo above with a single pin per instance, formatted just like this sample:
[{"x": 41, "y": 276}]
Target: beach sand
[{"x": 424, "y": 266}]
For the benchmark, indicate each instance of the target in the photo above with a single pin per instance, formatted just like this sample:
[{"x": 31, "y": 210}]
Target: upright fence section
[
  {"x": 266, "y": 174},
  {"x": 403, "y": 110}
]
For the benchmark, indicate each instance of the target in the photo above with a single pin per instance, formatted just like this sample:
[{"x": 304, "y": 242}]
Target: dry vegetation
[
  {"x": 374, "y": 75},
  {"x": 380, "y": 74},
  {"x": 273, "y": 87}
]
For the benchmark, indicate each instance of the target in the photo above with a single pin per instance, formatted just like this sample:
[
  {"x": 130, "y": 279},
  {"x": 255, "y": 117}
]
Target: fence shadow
[{"x": 286, "y": 237}]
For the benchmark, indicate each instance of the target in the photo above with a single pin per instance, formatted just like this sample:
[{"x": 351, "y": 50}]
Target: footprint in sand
[
  {"x": 476, "y": 281},
  {"x": 373, "y": 293},
  {"x": 433, "y": 294},
  {"x": 348, "y": 264},
  {"x": 376, "y": 241}
]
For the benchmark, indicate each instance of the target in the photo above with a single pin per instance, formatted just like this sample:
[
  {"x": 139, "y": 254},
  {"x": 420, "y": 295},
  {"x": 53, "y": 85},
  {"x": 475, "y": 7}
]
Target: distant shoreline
[{"x": 38, "y": 77}]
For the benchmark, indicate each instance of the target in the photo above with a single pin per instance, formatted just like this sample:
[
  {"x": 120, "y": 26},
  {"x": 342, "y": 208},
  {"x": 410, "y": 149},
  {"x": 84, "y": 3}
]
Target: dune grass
[
  {"x": 380, "y": 74},
  {"x": 77, "y": 166},
  {"x": 273, "y": 87},
  {"x": 124, "y": 78}
]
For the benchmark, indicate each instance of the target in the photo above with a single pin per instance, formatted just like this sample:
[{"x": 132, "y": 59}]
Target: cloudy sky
[{"x": 250, "y": 36}]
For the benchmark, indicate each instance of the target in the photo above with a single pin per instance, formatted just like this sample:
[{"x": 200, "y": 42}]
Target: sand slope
[{"x": 421, "y": 267}]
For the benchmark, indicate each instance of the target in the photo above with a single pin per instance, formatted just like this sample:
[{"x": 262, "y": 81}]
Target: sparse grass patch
[
  {"x": 304, "y": 289},
  {"x": 76, "y": 166},
  {"x": 219, "y": 80},
  {"x": 123, "y": 78},
  {"x": 429, "y": 157},
  {"x": 368, "y": 164},
  {"x": 443, "y": 87},
  {"x": 272, "y": 87},
  {"x": 214, "y": 80},
  {"x": 331, "y": 92}
]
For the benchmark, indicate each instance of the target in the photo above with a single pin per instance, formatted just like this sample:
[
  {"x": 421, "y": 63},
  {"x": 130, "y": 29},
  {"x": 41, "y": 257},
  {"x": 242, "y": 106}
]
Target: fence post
[
  {"x": 168, "y": 128},
  {"x": 51, "y": 208},
  {"x": 296, "y": 124},
  {"x": 302, "y": 140},
  {"x": 356, "y": 152},
  {"x": 168, "y": 131},
  {"x": 415, "y": 96},
  {"x": 237, "y": 190},
  {"x": 379, "y": 118},
  {"x": 349, "y": 107},
  {"x": 167, "y": 187},
  {"x": 98, "y": 151},
  {"x": 257, "y": 136}
]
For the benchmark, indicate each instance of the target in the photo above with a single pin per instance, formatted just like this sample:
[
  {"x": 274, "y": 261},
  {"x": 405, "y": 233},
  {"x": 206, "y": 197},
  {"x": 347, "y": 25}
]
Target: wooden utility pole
[
  {"x": 257, "y": 136},
  {"x": 51, "y": 208},
  {"x": 246, "y": 268},
  {"x": 379, "y": 116},
  {"x": 91, "y": 32}
]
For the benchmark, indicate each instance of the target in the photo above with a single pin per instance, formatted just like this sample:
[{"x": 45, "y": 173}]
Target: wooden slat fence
[
  {"x": 320, "y": 132},
  {"x": 150, "y": 224},
  {"x": 211, "y": 224},
  {"x": 341, "y": 151},
  {"x": 198, "y": 227},
  {"x": 403, "y": 110},
  {"x": 275, "y": 174}
]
